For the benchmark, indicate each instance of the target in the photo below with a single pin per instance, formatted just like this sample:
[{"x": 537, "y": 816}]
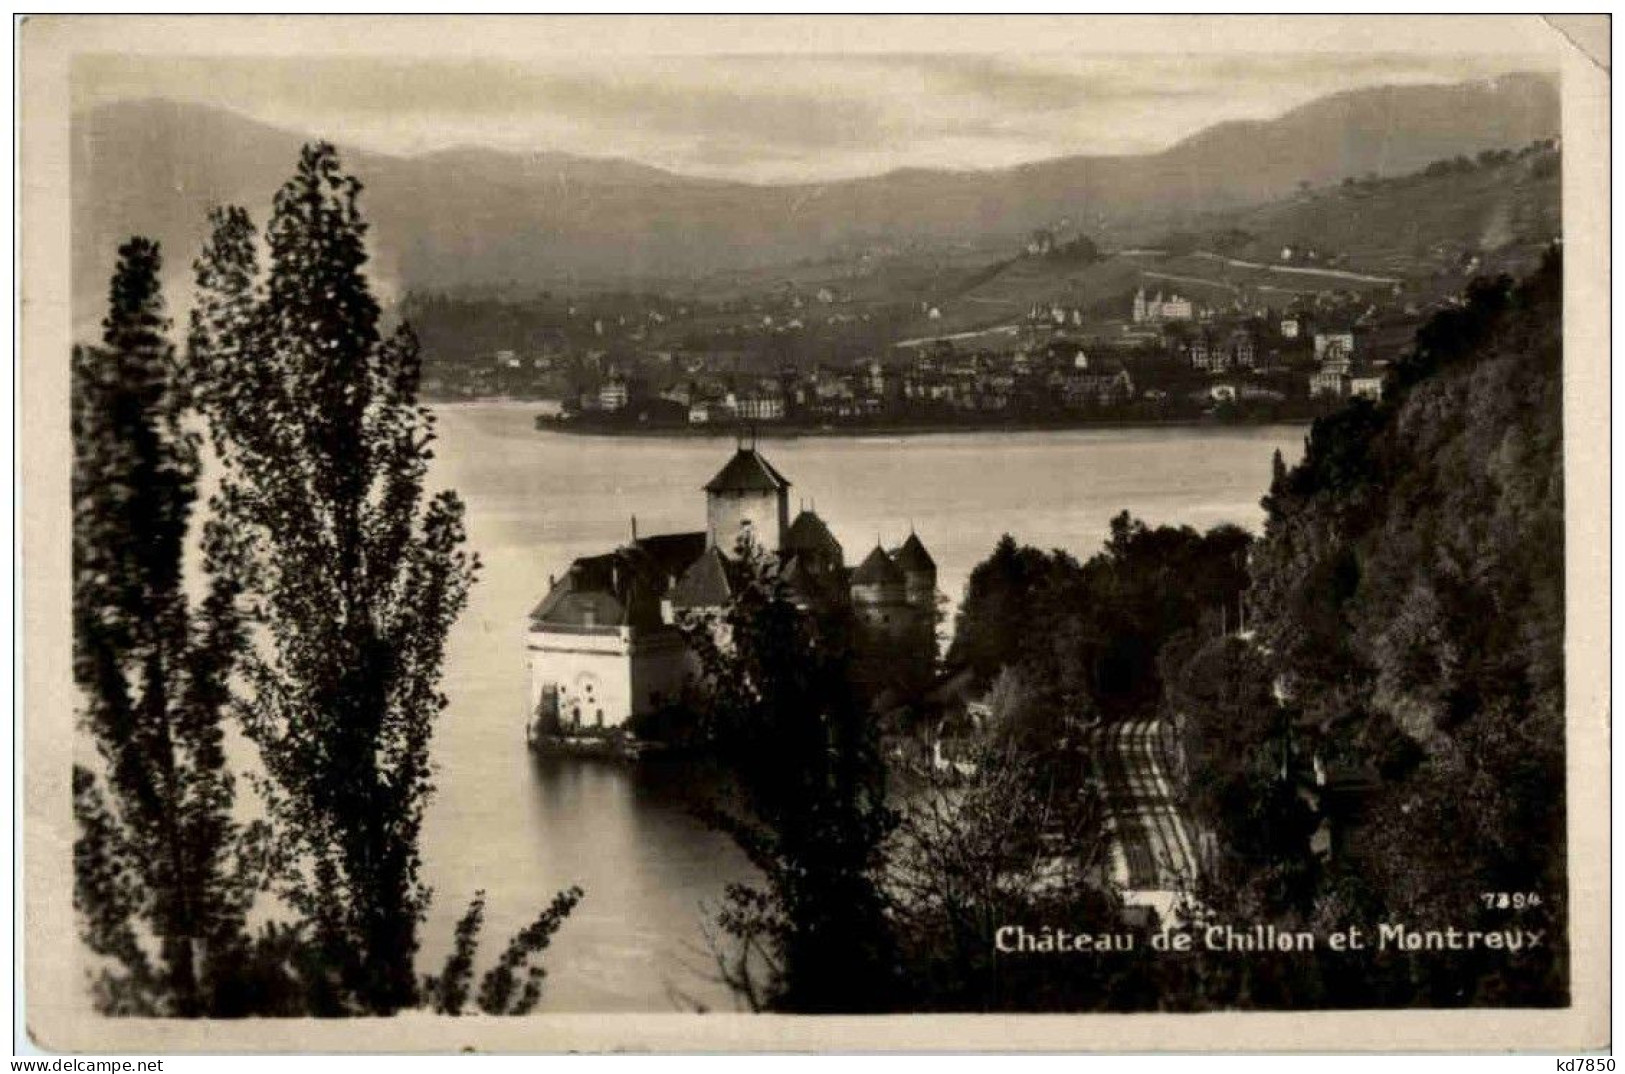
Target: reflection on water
[
  {"x": 630, "y": 834},
  {"x": 522, "y": 828}
]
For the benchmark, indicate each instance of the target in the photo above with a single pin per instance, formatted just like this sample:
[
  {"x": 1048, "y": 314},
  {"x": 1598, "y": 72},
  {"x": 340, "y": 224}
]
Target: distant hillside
[
  {"x": 1510, "y": 207},
  {"x": 471, "y": 217},
  {"x": 1424, "y": 228}
]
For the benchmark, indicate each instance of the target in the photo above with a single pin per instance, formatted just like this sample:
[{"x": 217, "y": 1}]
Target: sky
[{"x": 769, "y": 118}]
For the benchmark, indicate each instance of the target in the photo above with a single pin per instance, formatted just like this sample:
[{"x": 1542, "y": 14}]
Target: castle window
[{"x": 600, "y": 717}]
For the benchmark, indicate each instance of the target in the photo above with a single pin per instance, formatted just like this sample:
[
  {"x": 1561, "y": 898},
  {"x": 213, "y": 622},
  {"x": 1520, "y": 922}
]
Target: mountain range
[{"x": 468, "y": 218}]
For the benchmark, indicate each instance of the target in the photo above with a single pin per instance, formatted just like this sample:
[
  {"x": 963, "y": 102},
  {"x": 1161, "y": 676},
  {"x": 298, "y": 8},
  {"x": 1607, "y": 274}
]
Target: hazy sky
[{"x": 769, "y": 118}]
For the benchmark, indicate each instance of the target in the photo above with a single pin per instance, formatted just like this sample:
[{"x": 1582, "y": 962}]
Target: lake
[{"x": 522, "y": 829}]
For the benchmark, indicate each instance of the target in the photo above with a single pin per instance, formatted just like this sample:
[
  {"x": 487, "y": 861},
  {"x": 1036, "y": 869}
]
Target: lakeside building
[
  {"x": 1366, "y": 383},
  {"x": 613, "y": 394},
  {"x": 1243, "y": 349},
  {"x": 763, "y": 404},
  {"x": 1362, "y": 382},
  {"x": 604, "y": 644},
  {"x": 1213, "y": 354},
  {"x": 1328, "y": 381},
  {"x": 1109, "y": 384}
]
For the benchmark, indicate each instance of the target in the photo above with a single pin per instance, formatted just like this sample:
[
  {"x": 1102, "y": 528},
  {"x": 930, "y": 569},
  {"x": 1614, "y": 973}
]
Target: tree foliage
[
  {"x": 329, "y": 579},
  {"x": 1409, "y": 592},
  {"x": 159, "y": 859},
  {"x": 356, "y": 574},
  {"x": 1010, "y": 845},
  {"x": 513, "y": 984},
  {"x": 1089, "y": 633},
  {"x": 782, "y": 709},
  {"x": 1236, "y": 777}
]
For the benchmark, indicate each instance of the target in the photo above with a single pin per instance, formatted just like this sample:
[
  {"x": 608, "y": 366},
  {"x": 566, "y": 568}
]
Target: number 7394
[{"x": 1509, "y": 900}]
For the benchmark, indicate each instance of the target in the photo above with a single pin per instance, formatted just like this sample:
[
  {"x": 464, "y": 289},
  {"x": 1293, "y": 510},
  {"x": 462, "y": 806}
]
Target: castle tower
[
  {"x": 747, "y": 496},
  {"x": 810, "y": 543},
  {"x": 880, "y": 590},
  {"x": 898, "y": 647},
  {"x": 919, "y": 574}
]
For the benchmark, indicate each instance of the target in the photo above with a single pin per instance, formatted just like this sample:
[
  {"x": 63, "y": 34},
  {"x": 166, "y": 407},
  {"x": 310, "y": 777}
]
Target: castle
[{"x": 604, "y": 644}]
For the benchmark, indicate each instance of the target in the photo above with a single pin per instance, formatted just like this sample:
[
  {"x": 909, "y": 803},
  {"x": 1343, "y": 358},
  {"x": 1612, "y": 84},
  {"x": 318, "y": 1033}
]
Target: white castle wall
[
  {"x": 767, "y": 513},
  {"x": 659, "y": 668},
  {"x": 606, "y": 676},
  {"x": 590, "y": 671}
]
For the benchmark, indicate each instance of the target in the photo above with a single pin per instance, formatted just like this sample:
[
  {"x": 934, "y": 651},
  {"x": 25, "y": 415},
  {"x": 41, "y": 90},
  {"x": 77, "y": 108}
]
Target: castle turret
[
  {"x": 810, "y": 542},
  {"x": 899, "y": 645},
  {"x": 879, "y": 589},
  {"x": 919, "y": 573},
  {"x": 748, "y": 496}
]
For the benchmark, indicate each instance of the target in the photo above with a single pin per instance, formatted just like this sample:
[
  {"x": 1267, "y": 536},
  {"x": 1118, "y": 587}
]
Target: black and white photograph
[{"x": 531, "y": 519}]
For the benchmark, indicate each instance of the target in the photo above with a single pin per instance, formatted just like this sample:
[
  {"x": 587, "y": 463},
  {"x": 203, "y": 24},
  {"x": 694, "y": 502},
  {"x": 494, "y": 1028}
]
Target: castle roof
[
  {"x": 606, "y": 590},
  {"x": 620, "y": 588},
  {"x": 747, "y": 471},
  {"x": 808, "y": 533},
  {"x": 705, "y": 584},
  {"x": 566, "y": 604},
  {"x": 669, "y": 554},
  {"x": 912, "y": 556},
  {"x": 877, "y": 568}
]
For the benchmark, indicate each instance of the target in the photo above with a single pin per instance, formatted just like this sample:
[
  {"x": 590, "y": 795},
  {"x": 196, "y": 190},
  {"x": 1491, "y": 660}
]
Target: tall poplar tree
[
  {"x": 158, "y": 860},
  {"x": 354, "y": 571}
]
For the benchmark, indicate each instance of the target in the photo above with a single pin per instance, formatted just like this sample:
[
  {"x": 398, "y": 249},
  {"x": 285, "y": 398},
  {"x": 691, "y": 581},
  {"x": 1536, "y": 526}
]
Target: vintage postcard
[{"x": 817, "y": 533}]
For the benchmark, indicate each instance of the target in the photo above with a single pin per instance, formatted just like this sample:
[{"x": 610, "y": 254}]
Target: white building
[
  {"x": 762, "y": 406},
  {"x": 1152, "y": 310},
  {"x": 1366, "y": 384},
  {"x": 613, "y": 394},
  {"x": 598, "y": 646},
  {"x": 1336, "y": 345},
  {"x": 1328, "y": 381}
]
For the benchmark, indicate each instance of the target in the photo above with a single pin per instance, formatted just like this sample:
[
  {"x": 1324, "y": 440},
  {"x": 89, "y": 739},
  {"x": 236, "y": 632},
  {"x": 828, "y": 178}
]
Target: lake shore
[
  {"x": 802, "y": 430},
  {"x": 627, "y": 832}
]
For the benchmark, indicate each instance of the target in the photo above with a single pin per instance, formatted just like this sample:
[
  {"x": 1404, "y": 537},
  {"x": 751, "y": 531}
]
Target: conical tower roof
[
  {"x": 913, "y": 557},
  {"x": 705, "y": 584},
  {"x": 747, "y": 471},
  {"x": 808, "y": 533},
  {"x": 877, "y": 568}
]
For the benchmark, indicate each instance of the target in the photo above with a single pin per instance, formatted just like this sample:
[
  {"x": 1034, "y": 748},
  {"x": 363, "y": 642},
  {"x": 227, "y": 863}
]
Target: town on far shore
[
  {"x": 1278, "y": 313},
  {"x": 1170, "y": 359}
]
